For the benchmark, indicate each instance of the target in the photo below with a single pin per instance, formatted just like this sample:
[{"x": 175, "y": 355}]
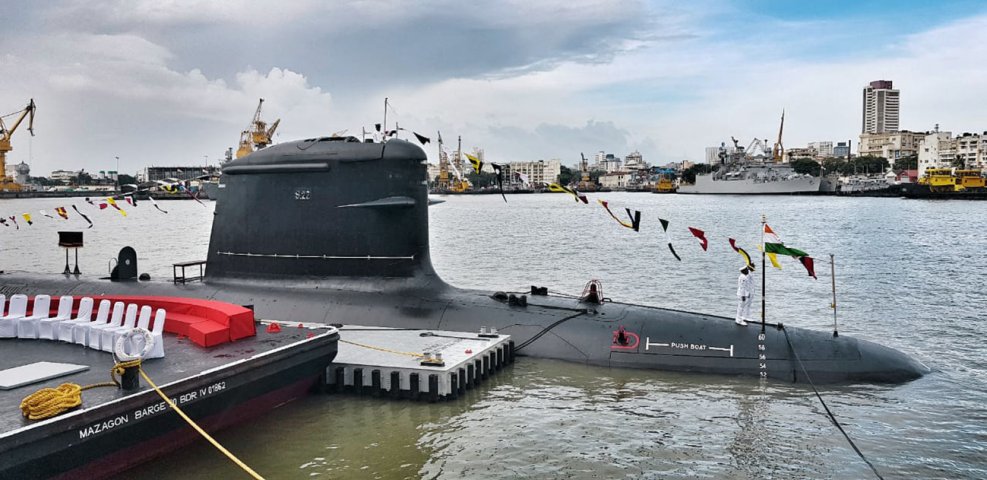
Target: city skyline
[{"x": 158, "y": 84}]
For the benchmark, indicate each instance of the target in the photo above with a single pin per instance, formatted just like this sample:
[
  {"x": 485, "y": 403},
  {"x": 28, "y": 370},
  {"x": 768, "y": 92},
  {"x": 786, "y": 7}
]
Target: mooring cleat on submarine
[{"x": 335, "y": 230}]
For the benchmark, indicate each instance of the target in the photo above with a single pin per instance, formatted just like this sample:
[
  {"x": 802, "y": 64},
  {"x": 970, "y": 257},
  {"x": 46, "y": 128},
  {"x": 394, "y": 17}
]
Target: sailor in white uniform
[{"x": 745, "y": 293}]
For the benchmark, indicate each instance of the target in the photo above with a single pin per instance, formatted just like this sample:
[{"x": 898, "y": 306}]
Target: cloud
[
  {"x": 158, "y": 82},
  {"x": 103, "y": 96}
]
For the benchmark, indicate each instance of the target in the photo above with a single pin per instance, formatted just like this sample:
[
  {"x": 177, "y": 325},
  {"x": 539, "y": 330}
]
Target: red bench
[{"x": 205, "y": 322}]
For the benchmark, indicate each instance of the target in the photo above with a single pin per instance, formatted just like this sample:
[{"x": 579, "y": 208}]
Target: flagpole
[
  {"x": 385, "y": 117},
  {"x": 832, "y": 274},
  {"x": 764, "y": 221}
]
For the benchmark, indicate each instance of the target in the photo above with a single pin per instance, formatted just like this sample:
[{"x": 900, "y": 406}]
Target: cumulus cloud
[{"x": 158, "y": 82}]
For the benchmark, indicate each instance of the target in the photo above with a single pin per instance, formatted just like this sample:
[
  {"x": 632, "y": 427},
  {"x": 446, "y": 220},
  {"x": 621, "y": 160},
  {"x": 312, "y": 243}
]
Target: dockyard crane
[
  {"x": 6, "y": 183},
  {"x": 585, "y": 183},
  {"x": 257, "y": 135},
  {"x": 778, "y": 152}
]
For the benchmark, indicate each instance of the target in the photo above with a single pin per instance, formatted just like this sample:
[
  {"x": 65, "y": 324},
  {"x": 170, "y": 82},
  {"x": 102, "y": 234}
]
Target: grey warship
[{"x": 335, "y": 230}]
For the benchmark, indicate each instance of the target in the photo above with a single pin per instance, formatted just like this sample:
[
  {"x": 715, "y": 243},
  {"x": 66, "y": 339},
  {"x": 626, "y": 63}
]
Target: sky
[{"x": 171, "y": 83}]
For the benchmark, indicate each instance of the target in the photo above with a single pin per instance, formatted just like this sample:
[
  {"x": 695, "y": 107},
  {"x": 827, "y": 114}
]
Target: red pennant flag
[
  {"x": 701, "y": 236},
  {"x": 809, "y": 266},
  {"x": 102, "y": 206}
]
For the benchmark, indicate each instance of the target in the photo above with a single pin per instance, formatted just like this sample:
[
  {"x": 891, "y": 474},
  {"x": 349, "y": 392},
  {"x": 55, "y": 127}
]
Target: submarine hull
[
  {"x": 610, "y": 334},
  {"x": 334, "y": 230}
]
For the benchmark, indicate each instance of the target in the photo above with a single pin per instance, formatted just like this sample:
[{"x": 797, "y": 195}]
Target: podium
[{"x": 70, "y": 240}]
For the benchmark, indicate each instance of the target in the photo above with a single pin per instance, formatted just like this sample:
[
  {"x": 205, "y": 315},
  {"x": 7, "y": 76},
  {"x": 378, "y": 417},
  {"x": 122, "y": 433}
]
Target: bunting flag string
[
  {"x": 554, "y": 187},
  {"x": 701, "y": 235},
  {"x": 422, "y": 139},
  {"x": 500, "y": 179},
  {"x": 635, "y": 223},
  {"x": 664, "y": 227},
  {"x": 3, "y": 221},
  {"x": 476, "y": 162},
  {"x": 113, "y": 204},
  {"x": 742, "y": 252},
  {"x": 89, "y": 201},
  {"x": 46, "y": 214},
  {"x": 156, "y": 204},
  {"x": 13, "y": 218},
  {"x": 83, "y": 216},
  {"x": 27, "y": 218}
]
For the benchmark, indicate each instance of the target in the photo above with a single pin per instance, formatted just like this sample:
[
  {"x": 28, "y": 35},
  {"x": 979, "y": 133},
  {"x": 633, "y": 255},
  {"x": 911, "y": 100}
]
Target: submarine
[{"x": 334, "y": 230}]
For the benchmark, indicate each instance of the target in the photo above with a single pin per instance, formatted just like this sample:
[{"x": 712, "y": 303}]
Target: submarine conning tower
[{"x": 323, "y": 207}]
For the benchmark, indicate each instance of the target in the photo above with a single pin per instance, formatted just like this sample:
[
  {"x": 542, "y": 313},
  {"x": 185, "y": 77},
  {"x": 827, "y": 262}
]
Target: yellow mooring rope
[
  {"x": 381, "y": 349},
  {"x": 200, "y": 430},
  {"x": 49, "y": 402}
]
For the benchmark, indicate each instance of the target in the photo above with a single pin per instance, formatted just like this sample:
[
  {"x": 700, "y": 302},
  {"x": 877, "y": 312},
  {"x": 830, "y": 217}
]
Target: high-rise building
[
  {"x": 880, "y": 111},
  {"x": 823, "y": 149}
]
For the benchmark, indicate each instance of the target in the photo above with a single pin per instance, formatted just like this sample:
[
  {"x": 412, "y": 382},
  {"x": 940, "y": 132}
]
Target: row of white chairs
[{"x": 100, "y": 333}]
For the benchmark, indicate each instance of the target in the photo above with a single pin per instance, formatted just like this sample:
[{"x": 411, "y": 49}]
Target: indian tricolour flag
[
  {"x": 774, "y": 247},
  {"x": 773, "y": 244}
]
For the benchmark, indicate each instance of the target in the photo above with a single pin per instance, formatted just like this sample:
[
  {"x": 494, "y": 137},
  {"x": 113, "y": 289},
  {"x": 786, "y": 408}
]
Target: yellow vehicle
[
  {"x": 665, "y": 185},
  {"x": 969, "y": 180},
  {"x": 938, "y": 180}
]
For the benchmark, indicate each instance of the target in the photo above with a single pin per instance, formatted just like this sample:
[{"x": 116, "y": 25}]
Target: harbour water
[{"x": 909, "y": 274}]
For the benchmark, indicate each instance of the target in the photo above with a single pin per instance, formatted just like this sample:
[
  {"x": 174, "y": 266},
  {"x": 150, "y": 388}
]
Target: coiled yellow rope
[{"x": 48, "y": 402}]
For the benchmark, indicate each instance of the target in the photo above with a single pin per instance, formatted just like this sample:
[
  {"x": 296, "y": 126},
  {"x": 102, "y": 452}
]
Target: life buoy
[{"x": 120, "y": 348}]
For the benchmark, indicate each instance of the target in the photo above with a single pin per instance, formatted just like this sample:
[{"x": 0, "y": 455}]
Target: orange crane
[
  {"x": 257, "y": 135},
  {"x": 6, "y": 183}
]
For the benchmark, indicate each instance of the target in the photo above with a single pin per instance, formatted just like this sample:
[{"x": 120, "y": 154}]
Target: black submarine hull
[
  {"x": 547, "y": 326},
  {"x": 335, "y": 230}
]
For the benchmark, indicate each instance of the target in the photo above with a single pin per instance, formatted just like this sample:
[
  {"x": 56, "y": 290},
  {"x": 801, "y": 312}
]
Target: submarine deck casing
[{"x": 336, "y": 231}]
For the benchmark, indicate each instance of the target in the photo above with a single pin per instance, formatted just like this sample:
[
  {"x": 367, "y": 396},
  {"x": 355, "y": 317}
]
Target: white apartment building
[
  {"x": 941, "y": 150},
  {"x": 937, "y": 150},
  {"x": 539, "y": 173},
  {"x": 823, "y": 149},
  {"x": 880, "y": 111},
  {"x": 712, "y": 155},
  {"x": 890, "y": 145},
  {"x": 972, "y": 149},
  {"x": 615, "y": 180}
]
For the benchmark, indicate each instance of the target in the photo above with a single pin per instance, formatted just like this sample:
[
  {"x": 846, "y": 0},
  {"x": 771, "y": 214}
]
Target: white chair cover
[
  {"x": 18, "y": 309},
  {"x": 27, "y": 327},
  {"x": 80, "y": 331},
  {"x": 116, "y": 319},
  {"x": 109, "y": 335},
  {"x": 84, "y": 315},
  {"x": 48, "y": 327}
]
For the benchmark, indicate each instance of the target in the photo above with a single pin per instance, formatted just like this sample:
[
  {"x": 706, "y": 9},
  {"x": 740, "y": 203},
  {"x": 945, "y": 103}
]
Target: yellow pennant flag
[
  {"x": 113, "y": 204},
  {"x": 27, "y": 216},
  {"x": 477, "y": 164},
  {"x": 773, "y": 257}
]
